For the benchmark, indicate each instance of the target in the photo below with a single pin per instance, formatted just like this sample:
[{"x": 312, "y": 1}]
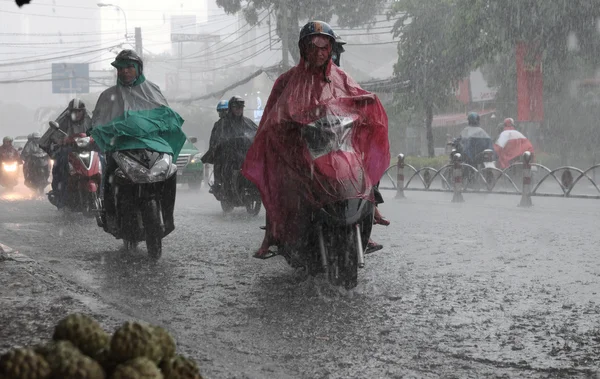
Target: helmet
[
  {"x": 128, "y": 55},
  {"x": 316, "y": 27},
  {"x": 223, "y": 105},
  {"x": 76, "y": 104},
  {"x": 509, "y": 122},
  {"x": 7, "y": 139},
  {"x": 339, "y": 43},
  {"x": 34, "y": 135},
  {"x": 236, "y": 100},
  {"x": 473, "y": 118},
  {"x": 313, "y": 28}
]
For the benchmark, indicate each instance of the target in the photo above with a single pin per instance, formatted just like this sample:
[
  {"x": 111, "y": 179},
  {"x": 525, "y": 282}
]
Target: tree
[
  {"x": 289, "y": 14},
  {"x": 428, "y": 56}
]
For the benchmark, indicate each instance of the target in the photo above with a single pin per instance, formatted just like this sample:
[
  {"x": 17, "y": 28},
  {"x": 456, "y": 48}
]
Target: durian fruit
[
  {"x": 133, "y": 340},
  {"x": 106, "y": 360},
  {"x": 24, "y": 364},
  {"x": 179, "y": 367},
  {"x": 83, "y": 331},
  {"x": 78, "y": 367},
  {"x": 56, "y": 352},
  {"x": 138, "y": 368},
  {"x": 165, "y": 341}
]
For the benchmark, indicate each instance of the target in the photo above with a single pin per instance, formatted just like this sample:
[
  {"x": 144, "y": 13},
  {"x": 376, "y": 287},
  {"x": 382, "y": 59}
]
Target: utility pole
[
  {"x": 138, "y": 42},
  {"x": 284, "y": 38}
]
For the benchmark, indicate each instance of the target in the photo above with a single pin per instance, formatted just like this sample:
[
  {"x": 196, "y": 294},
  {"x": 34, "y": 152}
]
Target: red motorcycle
[{"x": 84, "y": 177}]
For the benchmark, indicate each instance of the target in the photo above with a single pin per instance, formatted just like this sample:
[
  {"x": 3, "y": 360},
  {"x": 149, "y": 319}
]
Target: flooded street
[{"x": 480, "y": 289}]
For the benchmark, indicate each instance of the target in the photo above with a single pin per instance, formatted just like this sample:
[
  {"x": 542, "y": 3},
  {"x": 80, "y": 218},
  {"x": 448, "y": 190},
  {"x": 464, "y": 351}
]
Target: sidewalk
[{"x": 34, "y": 298}]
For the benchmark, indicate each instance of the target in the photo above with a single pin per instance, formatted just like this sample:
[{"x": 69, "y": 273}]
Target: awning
[{"x": 455, "y": 119}]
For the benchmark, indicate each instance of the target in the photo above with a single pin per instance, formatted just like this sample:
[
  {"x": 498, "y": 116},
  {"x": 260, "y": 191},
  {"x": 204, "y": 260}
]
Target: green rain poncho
[{"x": 137, "y": 117}]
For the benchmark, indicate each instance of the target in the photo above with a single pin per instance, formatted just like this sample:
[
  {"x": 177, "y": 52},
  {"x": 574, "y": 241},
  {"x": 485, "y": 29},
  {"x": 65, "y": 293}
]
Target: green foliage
[
  {"x": 429, "y": 56},
  {"x": 420, "y": 162}
]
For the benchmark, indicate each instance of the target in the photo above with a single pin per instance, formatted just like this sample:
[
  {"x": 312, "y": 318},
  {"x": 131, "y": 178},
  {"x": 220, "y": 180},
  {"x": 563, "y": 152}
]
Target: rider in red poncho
[{"x": 275, "y": 162}]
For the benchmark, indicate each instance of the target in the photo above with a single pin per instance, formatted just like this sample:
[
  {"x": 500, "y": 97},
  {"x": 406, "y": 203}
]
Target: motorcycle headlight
[
  {"x": 9, "y": 167},
  {"x": 196, "y": 158},
  {"x": 137, "y": 173},
  {"x": 82, "y": 141}
]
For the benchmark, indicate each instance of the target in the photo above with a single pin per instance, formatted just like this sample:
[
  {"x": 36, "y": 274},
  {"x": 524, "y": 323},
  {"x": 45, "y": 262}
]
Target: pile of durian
[{"x": 81, "y": 349}]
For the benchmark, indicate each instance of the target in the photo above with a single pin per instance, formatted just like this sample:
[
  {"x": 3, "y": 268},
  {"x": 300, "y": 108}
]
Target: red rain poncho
[{"x": 279, "y": 162}]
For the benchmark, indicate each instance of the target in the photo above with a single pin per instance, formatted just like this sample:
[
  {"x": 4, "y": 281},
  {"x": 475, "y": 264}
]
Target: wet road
[{"x": 480, "y": 289}]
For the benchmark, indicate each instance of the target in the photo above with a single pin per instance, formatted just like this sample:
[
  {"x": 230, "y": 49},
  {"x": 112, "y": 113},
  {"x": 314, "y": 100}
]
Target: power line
[
  {"x": 60, "y": 52},
  {"x": 55, "y": 58}
]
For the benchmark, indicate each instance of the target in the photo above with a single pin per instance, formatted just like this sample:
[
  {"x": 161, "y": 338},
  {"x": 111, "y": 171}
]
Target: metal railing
[{"x": 565, "y": 181}]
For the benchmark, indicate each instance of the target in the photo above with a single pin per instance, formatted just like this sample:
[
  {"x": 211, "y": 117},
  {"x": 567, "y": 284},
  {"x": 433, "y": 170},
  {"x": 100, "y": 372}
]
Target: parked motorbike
[
  {"x": 10, "y": 172},
  {"x": 36, "y": 171},
  {"x": 139, "y": 198},
  {"x": 236, "y": 190},
  {"x": 83, "y": 182},
  {"x": 333, "y": 236}
]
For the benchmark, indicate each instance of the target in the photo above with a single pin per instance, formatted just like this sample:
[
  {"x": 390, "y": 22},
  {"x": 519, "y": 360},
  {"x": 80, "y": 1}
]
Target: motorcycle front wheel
[
  {"x": 253, "y": 207},
  {"x": 226, "y": 206},
  {"x": 343, "y": 266},
  {"x": 151, "y": 220}
]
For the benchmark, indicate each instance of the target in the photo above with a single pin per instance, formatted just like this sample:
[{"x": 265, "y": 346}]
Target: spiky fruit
[
  {"x": 134, "y": 340},
  {"x": 56, "y": 352},
  {"x": 179, "y": 367},
  {"x": 83, "y": 331},
  {"x": 78, "y": 367},
  {"x": 138, "y": 368},
  {"x": 165, "y": 341},
  {"x": 24, "y": 364}
]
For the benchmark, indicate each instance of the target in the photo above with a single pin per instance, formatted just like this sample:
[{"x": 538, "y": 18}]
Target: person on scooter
[
  {"x": 31, "y": 148},
  {"x": 511, "y": 144},
  {"x": 234, "y": 124},
  {"x": 7, "y": 150},
  {"x": 473, "y": 141},
  {"x": 134, "y": 114},
  {"x": 74, "y": 120},
  {"x": 311, "y": 85}
]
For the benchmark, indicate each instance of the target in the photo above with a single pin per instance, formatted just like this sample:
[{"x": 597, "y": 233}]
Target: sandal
[
  {"x": 380, "y": 221},
  {"x": 373, "y": 246},
  {"x": 263, "y": 253}
]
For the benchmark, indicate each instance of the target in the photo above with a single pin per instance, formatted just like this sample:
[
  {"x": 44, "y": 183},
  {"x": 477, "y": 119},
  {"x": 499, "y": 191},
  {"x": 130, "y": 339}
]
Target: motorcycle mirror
[
  {"x": 53, "y": 125},
  {"x": 193, "y": 139}
]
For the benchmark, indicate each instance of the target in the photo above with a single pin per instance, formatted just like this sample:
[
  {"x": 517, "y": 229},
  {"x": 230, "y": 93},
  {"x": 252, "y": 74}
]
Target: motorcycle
[
  {"x": 484, "y": 163},
  {"x": 139, "y": 200},
  {"x": 236, "y": 190},
  {"x": 85, "y": 173},
  {"x": 10, "y": 172},
  {"x": 36, "y": 170},
  {"x": 335, "y": 234}
]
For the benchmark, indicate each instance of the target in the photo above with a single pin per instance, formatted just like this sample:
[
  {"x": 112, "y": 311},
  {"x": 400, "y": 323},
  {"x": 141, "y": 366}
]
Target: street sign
[{"x": 70, "y": 78}]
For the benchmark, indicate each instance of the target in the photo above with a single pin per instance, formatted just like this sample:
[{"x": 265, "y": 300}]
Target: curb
[{"x": 9, "y": 254}]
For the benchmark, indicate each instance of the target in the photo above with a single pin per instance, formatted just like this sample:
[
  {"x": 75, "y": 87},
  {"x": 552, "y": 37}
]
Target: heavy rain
[{"x": 299, "y": 189}]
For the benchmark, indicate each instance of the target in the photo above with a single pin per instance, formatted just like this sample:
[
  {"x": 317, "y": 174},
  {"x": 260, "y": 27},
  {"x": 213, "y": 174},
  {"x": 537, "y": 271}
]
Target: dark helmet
[
  {"x": 76, "y": 104},
  {"x": 223, "y": 105},
  {"x": 473, "y": 119},
  {"x": 236, "y": 100},
  {"x": 339, "y": 43},
  {"x": 313, "y": 28},
  {"x": 337, "y": 50},
  {"x": 129, "y": 55}
]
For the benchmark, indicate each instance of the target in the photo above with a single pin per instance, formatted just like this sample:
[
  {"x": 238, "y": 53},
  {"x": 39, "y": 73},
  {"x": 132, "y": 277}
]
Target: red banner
[{"x": 530, "y": 86}]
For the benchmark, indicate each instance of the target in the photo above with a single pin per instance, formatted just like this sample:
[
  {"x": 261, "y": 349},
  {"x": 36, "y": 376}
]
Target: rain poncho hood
[
  {"x": 511, "y": 144},
  {"x": 474, "y": 140},
  {"x": 137, "y": 117},
  {"x": 279, "y": 162}
]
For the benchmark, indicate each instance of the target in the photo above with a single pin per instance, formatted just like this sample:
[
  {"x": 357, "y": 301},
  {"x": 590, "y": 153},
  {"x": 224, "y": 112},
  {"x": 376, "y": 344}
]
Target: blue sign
[{"x": 70, "y": 78}]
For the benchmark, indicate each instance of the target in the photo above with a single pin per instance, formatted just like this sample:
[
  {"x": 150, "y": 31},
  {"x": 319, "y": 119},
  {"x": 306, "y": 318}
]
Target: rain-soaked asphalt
[{"x": 479, "y": 289}]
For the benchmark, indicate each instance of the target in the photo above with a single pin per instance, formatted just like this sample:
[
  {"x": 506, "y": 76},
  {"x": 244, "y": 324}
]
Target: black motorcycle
[
  {"x": 483, "y": 162},
  {"x": 139, "y": 198},
  {"x": 235, "y": 190}
]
